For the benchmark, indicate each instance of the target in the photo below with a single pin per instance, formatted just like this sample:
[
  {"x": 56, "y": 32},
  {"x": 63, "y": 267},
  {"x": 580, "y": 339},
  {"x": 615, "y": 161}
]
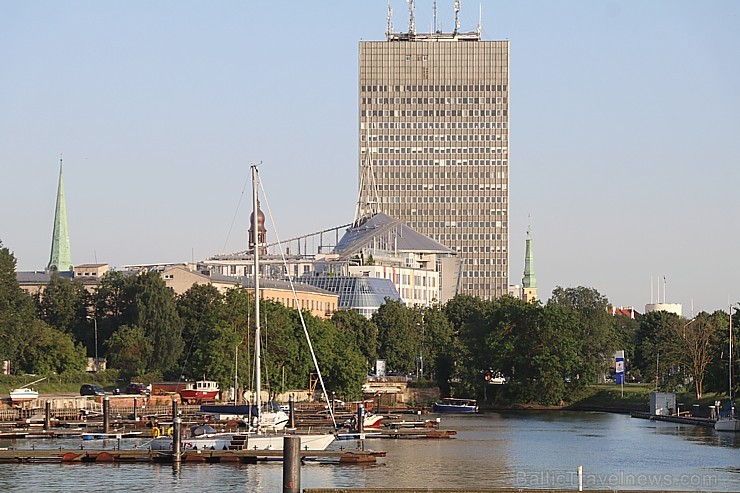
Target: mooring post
[
  {"x": 291, "y": 415},
  {"x": 47, "y": 416},
  {"x": 106, "y": 414},
  {"x": 174, "y": 410},
  {"x": 176, "y": 439},
  {"x": 361, "y": 420},
  {"x": 136, "y": 409},
  {"x": 291, "y": 464},
  {"x": 580, "y": 478}
]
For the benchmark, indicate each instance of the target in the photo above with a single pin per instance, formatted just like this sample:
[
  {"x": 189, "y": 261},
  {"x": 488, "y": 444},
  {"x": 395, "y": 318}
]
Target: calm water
[{"x": 513, "y": 450}]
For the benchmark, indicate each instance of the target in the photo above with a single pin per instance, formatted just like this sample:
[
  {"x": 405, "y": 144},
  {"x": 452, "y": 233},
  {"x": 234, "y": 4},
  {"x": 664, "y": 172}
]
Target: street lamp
[{"x": 95, "y": 325}]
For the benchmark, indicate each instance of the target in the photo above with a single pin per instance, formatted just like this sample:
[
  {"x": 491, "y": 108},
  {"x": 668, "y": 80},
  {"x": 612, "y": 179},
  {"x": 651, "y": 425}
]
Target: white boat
[
  {"x": 272, "y": 419},
  {"x": 25, "y": 394},
  {"x": 729, "y": 421}
]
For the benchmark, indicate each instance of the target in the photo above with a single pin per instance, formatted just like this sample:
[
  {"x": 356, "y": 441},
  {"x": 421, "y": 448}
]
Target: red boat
[{"x": 200, "y": 391}]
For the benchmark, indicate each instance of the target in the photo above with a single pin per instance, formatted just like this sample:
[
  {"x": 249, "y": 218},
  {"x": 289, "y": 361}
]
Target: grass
[
  {"x": 62, "y": 384},
  {"x": 636, "y": 397}
]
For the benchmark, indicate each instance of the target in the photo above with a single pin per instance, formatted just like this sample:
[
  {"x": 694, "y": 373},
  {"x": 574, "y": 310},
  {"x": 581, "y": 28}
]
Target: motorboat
[{"x": 453, "y": 405}]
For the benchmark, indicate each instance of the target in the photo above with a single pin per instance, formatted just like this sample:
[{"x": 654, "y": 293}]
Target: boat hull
[
  {"x": 454, "y": 408},
  {"x": 727, "y": 425},
  {"x": 18, "y": 396},
  {"x": 222, "y": 441}
]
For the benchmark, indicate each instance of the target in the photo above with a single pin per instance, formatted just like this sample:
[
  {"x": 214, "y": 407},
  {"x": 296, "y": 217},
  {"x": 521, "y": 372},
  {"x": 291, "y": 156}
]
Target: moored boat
[
  {"x": 452, "y": 405},
  {"x": 25, "y": 394},
  {"x": 200, "y": 391}
]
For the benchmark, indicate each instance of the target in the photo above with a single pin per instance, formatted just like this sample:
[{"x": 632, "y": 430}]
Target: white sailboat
[
  {"x": 729, "y": 421},
  {"x": 258, "y": 440},
  {"x": 25, "y": 394}
]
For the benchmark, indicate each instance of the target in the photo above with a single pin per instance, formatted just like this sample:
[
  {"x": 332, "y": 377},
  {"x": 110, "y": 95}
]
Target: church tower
[
  {"x": 529, "y": 282},
  {"x": 61, "y": 256}
]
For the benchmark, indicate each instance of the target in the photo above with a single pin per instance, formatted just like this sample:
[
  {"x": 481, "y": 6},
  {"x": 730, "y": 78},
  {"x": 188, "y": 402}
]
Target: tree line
[{"x": 548, "y": 352}]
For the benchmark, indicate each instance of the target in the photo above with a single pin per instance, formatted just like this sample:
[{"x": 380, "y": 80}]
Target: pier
[{"x": 686, "y": 420}]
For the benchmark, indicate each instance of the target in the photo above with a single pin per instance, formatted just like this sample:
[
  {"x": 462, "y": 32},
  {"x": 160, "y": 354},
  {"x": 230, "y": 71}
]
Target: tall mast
[
  {"x": 257, "y": 356},
  {"x": 730, "y": 372}
]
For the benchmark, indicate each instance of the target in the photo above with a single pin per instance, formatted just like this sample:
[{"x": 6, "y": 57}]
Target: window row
[
  {"x": 439, "y": 162},
  {"x": 434, "y": 125},
  {"x": 428, "y": 113},
  {"x": 437, "y": 88},
  {"x": 443, "y": 187},
  {"x": 460, "y": 224},
  {"x": 444, "y": 100},
  {"x": 433, "y": 138},
  {"x": 485, "y": 273},
  {"x": 439, "y": 150},
  {"x": 446, "y": 174}
]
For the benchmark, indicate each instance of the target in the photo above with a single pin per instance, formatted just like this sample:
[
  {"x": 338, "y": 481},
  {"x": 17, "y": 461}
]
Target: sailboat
[
  {"x": 25, "y": 394},
  {"x": 252, "y": 440},
  {"x": 729, "y": 421}
]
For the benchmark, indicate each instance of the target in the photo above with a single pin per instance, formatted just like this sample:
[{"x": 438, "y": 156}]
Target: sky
[{"x": 624, "y": 153}]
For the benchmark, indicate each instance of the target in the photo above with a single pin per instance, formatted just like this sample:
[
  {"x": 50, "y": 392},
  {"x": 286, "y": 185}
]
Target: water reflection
[{"x": 511, "y": 450}]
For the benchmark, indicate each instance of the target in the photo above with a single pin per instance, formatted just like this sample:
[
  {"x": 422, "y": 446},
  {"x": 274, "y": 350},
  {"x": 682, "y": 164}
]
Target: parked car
[
  {"x": 137, "y": 388},
  {"x": 91, "y": 389}
]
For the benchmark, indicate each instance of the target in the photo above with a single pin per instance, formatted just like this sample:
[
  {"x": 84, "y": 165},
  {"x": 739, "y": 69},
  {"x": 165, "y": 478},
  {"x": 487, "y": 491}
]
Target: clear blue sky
[{"x": 625, "y": 125}]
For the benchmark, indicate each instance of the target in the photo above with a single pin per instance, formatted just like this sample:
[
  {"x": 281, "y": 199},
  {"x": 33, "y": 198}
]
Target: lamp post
[{"x": 95, "y": 323}]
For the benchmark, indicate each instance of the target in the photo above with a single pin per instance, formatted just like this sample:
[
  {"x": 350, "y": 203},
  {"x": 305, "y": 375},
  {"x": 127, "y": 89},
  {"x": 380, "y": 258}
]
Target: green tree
[
  {"x": 596, "y": 327},
  {"x": 47, "y": 349},
  {"x": 362, "y": 331},
  {"x": 63, "y": 304},
  {"x": 16, "y": 311},
  {"x": 156, "y": 312},
  {"x": 398, "y": 335},
  {"x": 201, "y": 312},
  {"x": 130, "y": 350}
]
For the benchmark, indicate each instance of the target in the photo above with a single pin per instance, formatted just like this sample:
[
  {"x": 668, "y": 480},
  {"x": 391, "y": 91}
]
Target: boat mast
[
  {"x": 256, "y": 241},
  {"x": 729, "y": 393}
]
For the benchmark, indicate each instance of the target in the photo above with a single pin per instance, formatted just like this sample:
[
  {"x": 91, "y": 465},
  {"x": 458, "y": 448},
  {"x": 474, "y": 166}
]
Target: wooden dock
[
  {"x": 685, "y": 420},
  {"x": 187, "y": 457}
]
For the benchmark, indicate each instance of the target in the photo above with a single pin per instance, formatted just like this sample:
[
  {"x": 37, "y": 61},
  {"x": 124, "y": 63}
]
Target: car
[
  {"x": 137, "y": 388},
  {"x": 91, "y": 389}
]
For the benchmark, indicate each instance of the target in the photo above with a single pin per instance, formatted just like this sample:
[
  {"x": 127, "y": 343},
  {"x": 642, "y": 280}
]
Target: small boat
[
  {"x": 202, "y": 390},
  {"x": 729, "y": 421},
  {"x": 452, "y": 405},
  {"x": 25, "y": 394}
]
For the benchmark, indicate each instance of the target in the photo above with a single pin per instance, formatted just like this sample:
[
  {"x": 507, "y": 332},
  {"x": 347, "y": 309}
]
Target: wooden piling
[
  {"x": 291, "y": 416},
  {"x": 47, "y": 415},
  {"x": 106, "y": 414},
  {"x": 291, "y": 464}
]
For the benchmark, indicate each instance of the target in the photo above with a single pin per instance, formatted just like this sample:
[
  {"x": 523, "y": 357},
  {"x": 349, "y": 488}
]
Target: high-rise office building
[{"x": 434, "y": 144}]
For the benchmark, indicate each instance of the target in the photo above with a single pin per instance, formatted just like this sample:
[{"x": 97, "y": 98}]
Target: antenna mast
[
  {"x": 480, "y": 18},
  {"x": 412, "y": 25},
  {"x": 457, "y": 16},
  {"x": 435, "y": 17},
  {"x": 389, "y": 29}
]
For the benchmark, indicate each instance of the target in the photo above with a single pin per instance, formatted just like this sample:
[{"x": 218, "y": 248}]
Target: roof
[
  {"x": 386, "y": 233},
  {"x": 300, "y": 287},
  {"x": 356, "y": 292}
]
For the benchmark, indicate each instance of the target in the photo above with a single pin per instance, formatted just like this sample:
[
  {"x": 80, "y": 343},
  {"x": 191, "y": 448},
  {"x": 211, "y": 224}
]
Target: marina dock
[
  {"x": 187, "y": 457},
  {"x": 686, "y": 420}
]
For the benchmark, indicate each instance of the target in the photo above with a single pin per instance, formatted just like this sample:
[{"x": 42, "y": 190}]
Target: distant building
[
  {"x": 624, "y": 311},
  {"x": 527, "y": 291},
  {"x": 434, "y": 129},
  {"x": 676, "y": 308},
  {"x": 61, "y": 256},
  {"x": 95, "y": 271},
  {"x": 363, "y": 295}
]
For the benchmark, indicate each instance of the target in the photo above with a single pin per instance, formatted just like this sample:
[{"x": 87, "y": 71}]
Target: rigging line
[
  {"x": 300, "y": 313},
  {"x": 236, "y": 212}
]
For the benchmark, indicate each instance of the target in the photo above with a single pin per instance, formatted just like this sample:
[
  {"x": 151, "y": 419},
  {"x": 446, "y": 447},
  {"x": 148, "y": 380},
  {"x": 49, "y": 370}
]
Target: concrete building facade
[{"x": 434, "y": 144}]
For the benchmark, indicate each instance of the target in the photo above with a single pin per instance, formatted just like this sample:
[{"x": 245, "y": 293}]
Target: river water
[{"x": 512, "y": 450}]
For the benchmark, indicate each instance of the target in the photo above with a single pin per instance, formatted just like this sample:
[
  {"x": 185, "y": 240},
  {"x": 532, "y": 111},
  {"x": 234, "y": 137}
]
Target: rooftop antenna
[
  {"x": 412, "y": 25},
  {"x": 434, "y": 29},
  {"x": 457, "y": 16},
  {"x": 389, "y": 29},
  {"x": 480, "y": 18}
]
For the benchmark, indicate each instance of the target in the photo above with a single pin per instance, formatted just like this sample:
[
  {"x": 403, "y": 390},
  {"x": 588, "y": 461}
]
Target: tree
[
  {"x": 398, "y": 335},
  {"x": 201, "y": 313},
  {"x": 16, "y": 310},
  {"x": 130, "y": 350},
  {"x": 691, "y": 347},
  {"x": 596, "y": 327},
  {"x": 362, "y": 331},
  {"x": 155, "y": 312},
  {"x": 47, "y": 349},
  {"x": 64, "y": 306}
]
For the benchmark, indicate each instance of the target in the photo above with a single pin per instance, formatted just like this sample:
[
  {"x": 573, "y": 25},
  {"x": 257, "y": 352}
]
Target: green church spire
[
  {"x": 61, "y": 256},
  {"x": 529, "y": 281}
]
